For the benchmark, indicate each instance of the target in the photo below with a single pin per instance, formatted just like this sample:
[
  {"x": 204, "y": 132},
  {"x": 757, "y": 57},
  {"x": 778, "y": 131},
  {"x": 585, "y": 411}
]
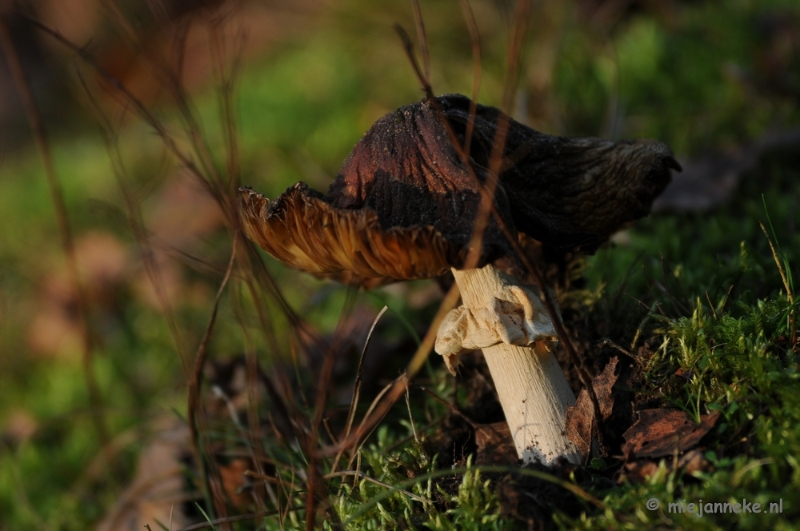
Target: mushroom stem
[{"x": 532, "y": 388}]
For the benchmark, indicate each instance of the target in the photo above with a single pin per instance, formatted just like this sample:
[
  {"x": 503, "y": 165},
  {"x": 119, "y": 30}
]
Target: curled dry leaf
[
  {"x": 237, "y": 486},
  {"x": 581, "y": 418},
  {"x": 579, "y": 425},
  {"x": 663, "y": 432}
]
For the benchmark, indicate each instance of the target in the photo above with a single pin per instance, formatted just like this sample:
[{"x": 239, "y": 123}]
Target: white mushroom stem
[{"x": 510, "y": 324}]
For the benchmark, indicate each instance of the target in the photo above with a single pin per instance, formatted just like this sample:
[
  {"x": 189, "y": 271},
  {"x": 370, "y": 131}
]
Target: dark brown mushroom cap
[
  {"x": 568, "y": 193},
  {"x": 407, "y": 170},
  {"x": 404, "y": 204}
]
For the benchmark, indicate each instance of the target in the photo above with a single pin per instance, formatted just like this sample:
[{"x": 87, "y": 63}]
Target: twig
[
  {"x": 475, "y": 41},
  {"x": 423, "y": 39},
  {"x": 193, "y": 406},
  {"x": 357, "y": 385}
]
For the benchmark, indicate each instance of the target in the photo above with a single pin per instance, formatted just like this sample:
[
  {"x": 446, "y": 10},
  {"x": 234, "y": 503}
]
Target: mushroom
[{"x": 404, "y": 205}]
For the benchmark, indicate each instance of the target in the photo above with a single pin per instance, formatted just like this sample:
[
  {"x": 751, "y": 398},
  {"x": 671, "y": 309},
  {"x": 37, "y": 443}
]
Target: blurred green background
[{"x": 709, "y": 78}]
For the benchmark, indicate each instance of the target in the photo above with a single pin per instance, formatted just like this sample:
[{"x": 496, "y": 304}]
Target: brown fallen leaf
[
  {"x": 641, "y": 470},
  {"x": 602, "y": 385},
  {"x": 495, "y": 444},
  {"x": 580, "y": 417},
  {"x": 579, "y": 425},
  {"x": 663, "y": 432},
  {"x": 237, "y": 486}
]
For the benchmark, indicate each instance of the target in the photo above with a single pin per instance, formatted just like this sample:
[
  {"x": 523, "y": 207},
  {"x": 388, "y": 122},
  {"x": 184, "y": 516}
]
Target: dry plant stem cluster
[{"x": 219, "y": 186}]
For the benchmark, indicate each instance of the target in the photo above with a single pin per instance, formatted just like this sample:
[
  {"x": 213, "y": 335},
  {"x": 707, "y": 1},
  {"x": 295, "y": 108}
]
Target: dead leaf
[
  {"x": 495, "y": 445},
  {"x": 579, "y": 425},
  {"x": 603, "y": 384},
  {"x": 641, "y": 470},
  {"x": 662, "y": 432},
  {"x": 236, "y": 484},
  {"x": 580, "y": 417}
]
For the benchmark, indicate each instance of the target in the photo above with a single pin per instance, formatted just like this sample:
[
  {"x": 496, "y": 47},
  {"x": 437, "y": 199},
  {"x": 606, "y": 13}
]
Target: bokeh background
[{"x": 718, "y": 81}]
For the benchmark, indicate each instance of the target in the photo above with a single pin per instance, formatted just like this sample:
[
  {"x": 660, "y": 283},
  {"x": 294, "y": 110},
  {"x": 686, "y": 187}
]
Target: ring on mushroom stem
[
  {"x": 404, "y": 205},
  {"x": 511, "y": 326}
]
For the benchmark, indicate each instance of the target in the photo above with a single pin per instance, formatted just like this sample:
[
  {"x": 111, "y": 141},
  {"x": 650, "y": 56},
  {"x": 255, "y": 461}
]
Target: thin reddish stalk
[
  {"x": 399, "y": 386},
  {"x": 423, "y": 39},
  {"x": 475, "y": 41},
  {"x": 193, "y": 408},
  {"x": 357, "y": 385},
  {"x": 145, "y": 250},
  {"x": 200, "y": 357},
  {"x": 522, "y": 14},
  {"x": 254, "y": 443},
  {"x": 168, "y": 74},
  {"x": 227, "y": 75}
]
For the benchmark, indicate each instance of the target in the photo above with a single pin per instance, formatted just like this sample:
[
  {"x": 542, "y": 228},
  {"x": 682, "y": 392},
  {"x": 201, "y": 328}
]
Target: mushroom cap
[
  {"x": 303, "y": 230},
  {"x": 569, "y": 193},
  {"x": 404, "y": 203}
]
